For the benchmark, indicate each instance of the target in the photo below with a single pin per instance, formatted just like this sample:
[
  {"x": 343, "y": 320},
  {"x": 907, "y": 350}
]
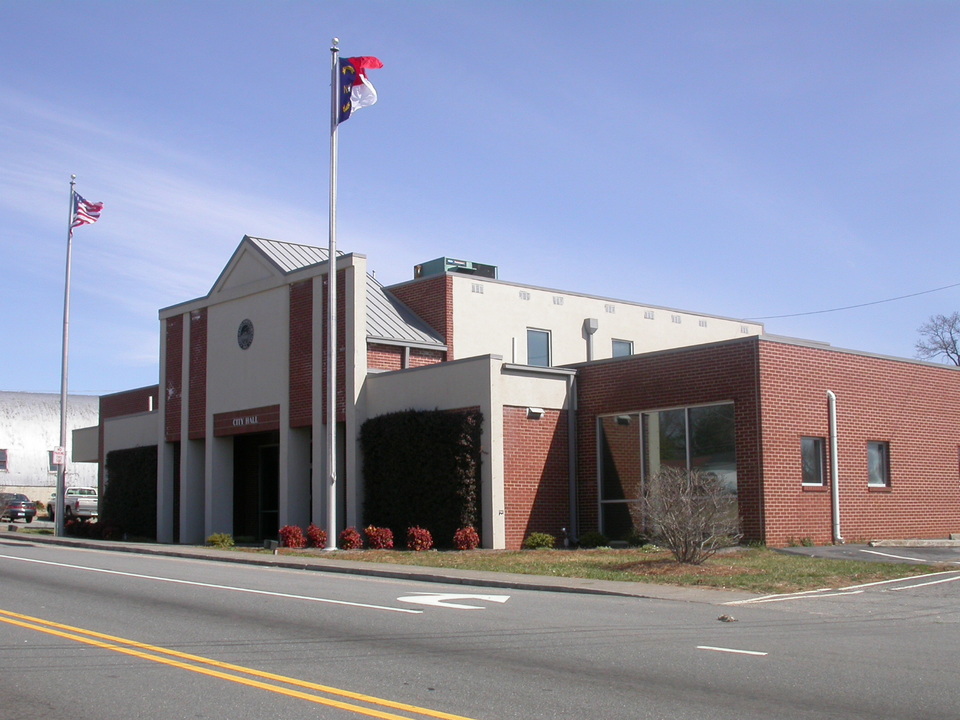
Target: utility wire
[{"x": 851, "y": 307}]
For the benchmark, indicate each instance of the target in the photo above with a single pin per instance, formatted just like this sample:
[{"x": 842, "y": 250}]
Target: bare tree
[
  {"x": 940, "y": 337},
  {"x": 690, "y": 513}
]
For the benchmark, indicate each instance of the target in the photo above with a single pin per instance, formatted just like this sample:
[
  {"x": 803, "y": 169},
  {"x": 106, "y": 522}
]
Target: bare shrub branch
[{"x": 690, "y": 513}]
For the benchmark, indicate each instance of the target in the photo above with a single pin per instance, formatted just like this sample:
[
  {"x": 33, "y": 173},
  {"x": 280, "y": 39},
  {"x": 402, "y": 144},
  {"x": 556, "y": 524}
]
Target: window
[
  {"x": 648, "y": 315},
  {"x": 477, "y": 288},
  {"x": 3, "y": 461},
  {"x": 676, "y": 318},
  {"x": 524, "y": 295},
  {"x": 703, "y": 323},
  {"x": 878, "y": 464},
  {"x": 811, "y": 453},
  {"x": 622, "y": 348},
  {"x": 538, "y": 348},
  {"x": 610, "y": 308},
  {"x": 558, "y": 300},
  {"x": 51, "y": 465},
  {"x": 634, "y": 446}
]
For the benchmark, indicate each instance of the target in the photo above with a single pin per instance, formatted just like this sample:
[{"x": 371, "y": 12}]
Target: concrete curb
[{"x": 472, "y": 578}]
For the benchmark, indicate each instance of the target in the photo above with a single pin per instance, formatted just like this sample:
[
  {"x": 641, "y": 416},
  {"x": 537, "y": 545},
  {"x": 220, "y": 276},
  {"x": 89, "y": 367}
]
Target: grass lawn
[{"x": 758, "y": 570}]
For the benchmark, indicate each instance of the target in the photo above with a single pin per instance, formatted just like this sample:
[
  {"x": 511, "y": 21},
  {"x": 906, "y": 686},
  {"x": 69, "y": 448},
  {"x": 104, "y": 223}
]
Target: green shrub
[
  {"x": 422, "y": 469},
  {"x": 223, "y": 541},
  {"x": 593, "y": 539},
  {"x": 129, "y": 501},
  {"x": 539, "y": 540}
]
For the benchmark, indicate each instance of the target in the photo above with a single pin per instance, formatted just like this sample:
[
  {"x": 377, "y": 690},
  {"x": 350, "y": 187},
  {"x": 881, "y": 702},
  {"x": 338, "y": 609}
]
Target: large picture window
[{"x": 634, "y": 446}]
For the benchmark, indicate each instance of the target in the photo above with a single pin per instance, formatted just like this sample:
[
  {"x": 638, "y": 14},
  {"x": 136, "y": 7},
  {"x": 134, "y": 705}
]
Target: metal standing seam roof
[
  {"x": 388, "y": 320},
  {"x": 289, "y": 256}
]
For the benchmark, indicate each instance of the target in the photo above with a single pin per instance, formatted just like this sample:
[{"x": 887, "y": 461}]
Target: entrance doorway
[{"x": 256, "y": 486}]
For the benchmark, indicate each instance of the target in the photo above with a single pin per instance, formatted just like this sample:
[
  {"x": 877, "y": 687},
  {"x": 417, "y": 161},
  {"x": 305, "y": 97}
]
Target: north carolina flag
[{"x": 356, "y": 90}]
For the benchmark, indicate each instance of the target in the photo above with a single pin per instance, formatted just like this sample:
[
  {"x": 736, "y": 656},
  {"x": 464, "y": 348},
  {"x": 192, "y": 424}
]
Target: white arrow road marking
[{"x": 444, "y": 600}]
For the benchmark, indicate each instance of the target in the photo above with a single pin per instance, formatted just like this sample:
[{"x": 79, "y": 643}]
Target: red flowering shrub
[
  {"x": 419, "y": 538},
  {"x": 350, "y": 539},
  {"x": 316, "y": 537},
  {"x": 291, "y": 536},
  {"x": 466, "y": 539},
  {"x": 379, "y": 538}
]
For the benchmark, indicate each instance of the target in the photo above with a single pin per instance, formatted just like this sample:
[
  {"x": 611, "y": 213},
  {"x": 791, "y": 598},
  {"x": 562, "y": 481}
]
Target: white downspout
[{"x": 834, "y": 466}]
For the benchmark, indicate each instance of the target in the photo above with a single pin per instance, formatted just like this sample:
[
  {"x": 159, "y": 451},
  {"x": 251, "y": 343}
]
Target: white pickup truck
[{"x": 78, "y": 502}]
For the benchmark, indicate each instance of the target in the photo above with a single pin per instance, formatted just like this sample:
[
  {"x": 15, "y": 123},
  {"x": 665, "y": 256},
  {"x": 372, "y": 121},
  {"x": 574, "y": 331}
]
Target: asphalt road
[{"x": 154, "y": 637}]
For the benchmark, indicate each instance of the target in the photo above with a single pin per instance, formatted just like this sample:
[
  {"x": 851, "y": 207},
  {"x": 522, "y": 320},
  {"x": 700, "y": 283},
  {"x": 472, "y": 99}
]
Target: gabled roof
[
  {"x": 289, "y": 256},
  {"x": 389, "y": 321}
]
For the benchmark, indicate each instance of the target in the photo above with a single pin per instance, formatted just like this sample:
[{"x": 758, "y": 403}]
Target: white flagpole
[
  {"x": 332, "y": 307},
  {"x": 64, "y": 364}
]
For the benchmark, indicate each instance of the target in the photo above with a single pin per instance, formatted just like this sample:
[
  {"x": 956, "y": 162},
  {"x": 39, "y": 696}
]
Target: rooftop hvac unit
[{"x": 445, "y": 265}]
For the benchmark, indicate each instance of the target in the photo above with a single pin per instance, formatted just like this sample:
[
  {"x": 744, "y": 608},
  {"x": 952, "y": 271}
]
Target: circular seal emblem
[{"x": 245, "y": 334}]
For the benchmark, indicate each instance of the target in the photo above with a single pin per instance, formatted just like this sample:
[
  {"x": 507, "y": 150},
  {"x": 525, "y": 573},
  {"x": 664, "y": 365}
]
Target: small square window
[
  {"x": 610, "y": 308},
  {"x": 648, "y": 315},
  {"x": 3, "y": 461},
  {"x": 703, "y": 323},
  {"x": 477, "y": 288},
  {"x": 558, "y": 300},
  {"x": 524, "y": 295},
  {"x": 676, "y": 318},
  {"x": 878, "y": 464},
  {"x": 811, "y": 452}
]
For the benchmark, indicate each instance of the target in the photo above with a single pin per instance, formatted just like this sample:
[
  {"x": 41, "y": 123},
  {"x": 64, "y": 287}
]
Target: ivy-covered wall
[
  {"x": 129, "y": 502},
  {"x": 422, "y": 468}
]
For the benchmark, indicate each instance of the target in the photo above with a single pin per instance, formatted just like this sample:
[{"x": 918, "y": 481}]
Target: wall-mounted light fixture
[{"x": 535, "y": 413}]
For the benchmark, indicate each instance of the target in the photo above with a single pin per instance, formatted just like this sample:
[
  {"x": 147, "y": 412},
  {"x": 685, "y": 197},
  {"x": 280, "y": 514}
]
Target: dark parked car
[{"x": 17, "y": 505}]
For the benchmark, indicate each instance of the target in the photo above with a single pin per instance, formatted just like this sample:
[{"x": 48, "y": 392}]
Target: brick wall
[
  {"x": 911, "y": 406},
  {"x": 129, "y": 402},
  {"x": 173, "y": 364},
  {"x": 536, "y": 488},
  {"x": 384, "y": 357},
  {"x": 197, "y": 420},
  {"x": 301, "y": 354},
  {"x": 432, "y": 299},
  {"x": 698, "y": 375}
]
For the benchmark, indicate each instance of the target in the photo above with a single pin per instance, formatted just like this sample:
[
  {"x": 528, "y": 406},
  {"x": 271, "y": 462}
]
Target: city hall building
[{"x": 581, "y": 398}]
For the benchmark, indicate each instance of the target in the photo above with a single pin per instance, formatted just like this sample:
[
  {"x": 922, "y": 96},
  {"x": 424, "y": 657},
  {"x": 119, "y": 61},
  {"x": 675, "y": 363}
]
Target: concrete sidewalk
[{"x": 331, "y": 563}]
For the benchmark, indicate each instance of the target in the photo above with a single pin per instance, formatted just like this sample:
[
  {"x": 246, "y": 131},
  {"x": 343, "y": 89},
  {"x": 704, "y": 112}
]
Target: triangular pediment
[{"x": 248, "y": 266}]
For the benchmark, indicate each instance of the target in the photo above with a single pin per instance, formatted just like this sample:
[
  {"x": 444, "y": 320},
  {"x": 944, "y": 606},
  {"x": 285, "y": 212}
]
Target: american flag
[{"x": 84, "y": 213}]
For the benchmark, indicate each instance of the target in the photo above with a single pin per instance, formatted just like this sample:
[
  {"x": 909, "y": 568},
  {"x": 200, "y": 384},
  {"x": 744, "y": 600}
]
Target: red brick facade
[
  {"x": 911, "y": 406},
  {"x": 173, "y": 363},
  {"x": 535, "y": 471},
  {"x": 129, "y": 402},
  {"x": 198, "y": 374},
  {"x": 779, "y": 391},
  {"x": 432, "y": 300},
  {"x": 301, "y": 354}
]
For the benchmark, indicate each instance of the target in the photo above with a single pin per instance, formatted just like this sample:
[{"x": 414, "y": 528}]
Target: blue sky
[{"x": 744, "y": 159}]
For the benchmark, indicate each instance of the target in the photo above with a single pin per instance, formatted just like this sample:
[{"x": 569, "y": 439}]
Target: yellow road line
[{"x": 142, "y": 650}]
